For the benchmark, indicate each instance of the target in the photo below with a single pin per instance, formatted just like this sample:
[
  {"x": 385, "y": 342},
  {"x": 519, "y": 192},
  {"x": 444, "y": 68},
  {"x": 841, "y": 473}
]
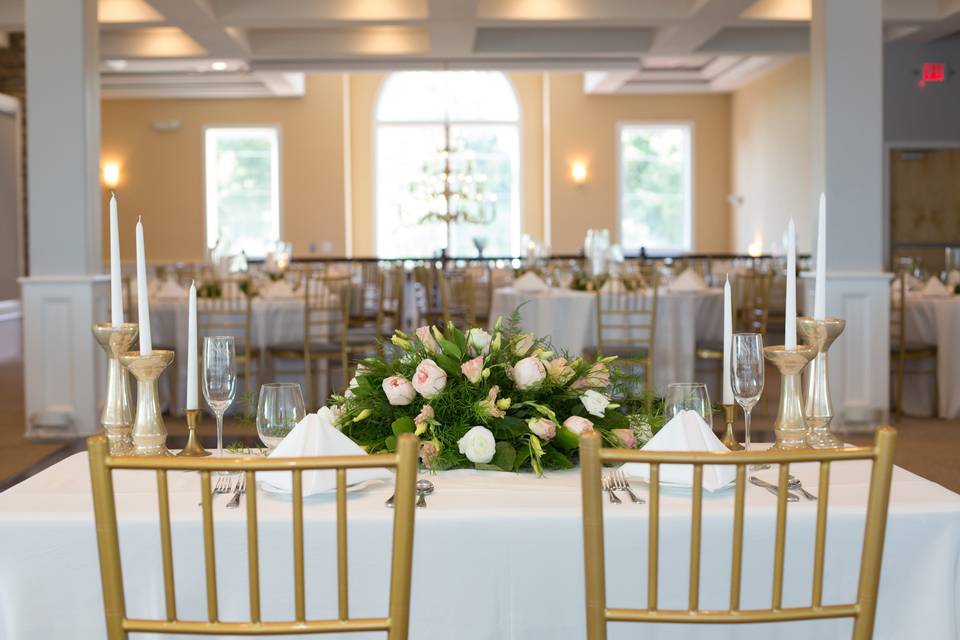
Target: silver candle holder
[
  {"x": 790, "y": 427},
  {"x": 149, "y": 432},
  {"x": 117, "y": 415},
  {"x": 818, "y": 412}
]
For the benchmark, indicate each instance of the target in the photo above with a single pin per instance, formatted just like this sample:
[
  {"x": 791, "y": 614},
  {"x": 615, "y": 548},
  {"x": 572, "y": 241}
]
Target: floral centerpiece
[{"x": 504, "y": 401}]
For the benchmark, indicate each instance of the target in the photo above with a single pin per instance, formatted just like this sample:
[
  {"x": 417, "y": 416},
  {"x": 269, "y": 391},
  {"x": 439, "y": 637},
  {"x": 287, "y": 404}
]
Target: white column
[
  {"x": 64, "y": 293},
  {"x": 846, "y": 56}
]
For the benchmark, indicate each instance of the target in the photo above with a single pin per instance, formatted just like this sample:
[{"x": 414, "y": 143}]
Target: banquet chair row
[
  {"x": 592, "y": 460},
  {"x": 901, "y": 352}
]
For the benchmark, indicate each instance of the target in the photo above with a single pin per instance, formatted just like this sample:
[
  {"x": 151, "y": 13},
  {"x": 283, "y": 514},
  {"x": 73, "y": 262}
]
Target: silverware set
[
  {"x": 235, "y": 484},
  {"x": 424, "y": 488},
  {"x": 616, "y": 481},
  {"x": 793, "y": 484}
]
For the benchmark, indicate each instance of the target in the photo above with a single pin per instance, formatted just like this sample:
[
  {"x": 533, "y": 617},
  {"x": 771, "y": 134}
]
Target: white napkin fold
[
  {"x": 953, "y": 279},
  {"x": 530, "y": 282},
  {"x": 315, "y": 435},
  {"x": 935, "y": 288},
  {"x": 689, "y": 280},
  {"x": 686, "y": 431},
  {"x": 169, "y": 289},
  {"x": 277, "y": 289},
  {"x": 612, "y": 285}
]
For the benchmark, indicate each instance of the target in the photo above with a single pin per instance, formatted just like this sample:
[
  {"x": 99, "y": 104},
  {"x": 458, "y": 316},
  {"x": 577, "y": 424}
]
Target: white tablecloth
[
  {"x": 569, "y": 318},
  {"x": 496, "y": 556},
  {"x": 933, "y": 322}
]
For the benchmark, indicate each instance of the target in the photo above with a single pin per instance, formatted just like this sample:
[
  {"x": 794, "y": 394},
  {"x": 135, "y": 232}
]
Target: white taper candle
[
  {"x": 820, "y": 290},
  {"x": 116, "y": 284},
  {"x": 143, "y": 304},
  {"x": 727, "y": 341},
  {"x": 790, "y": 312},
  {"x": 192, "y": 350}
]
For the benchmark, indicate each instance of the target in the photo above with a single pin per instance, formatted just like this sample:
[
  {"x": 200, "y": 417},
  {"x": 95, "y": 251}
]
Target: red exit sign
[{"x": 932, "y": 72}]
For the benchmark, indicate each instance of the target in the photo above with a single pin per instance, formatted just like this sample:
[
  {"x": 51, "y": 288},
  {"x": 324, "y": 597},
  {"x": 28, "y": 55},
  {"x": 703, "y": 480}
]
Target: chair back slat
[
  {"x": 862, "y": 610},
  {"x": 119, "y": 626}
]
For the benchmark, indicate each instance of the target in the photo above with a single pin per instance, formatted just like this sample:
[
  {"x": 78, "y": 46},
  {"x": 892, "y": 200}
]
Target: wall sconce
[
  {"x": 111, "y": 175},
  {"x": 755, "y": 248},
  {"x": 578, "y": 173}
]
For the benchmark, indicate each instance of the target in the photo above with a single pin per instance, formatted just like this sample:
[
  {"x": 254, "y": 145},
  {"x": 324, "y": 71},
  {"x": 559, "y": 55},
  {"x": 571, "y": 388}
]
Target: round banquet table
[
  {"x": 496, "y": 556},
  {"x": 933, "y": 321},
  {"x": 569, "y": 318}
]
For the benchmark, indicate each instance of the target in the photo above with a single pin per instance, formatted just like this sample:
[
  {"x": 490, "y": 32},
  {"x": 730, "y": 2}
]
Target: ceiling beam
[
  {"x": 706, "y": 19},
  {"x": 197, "y": 19},
  {"x": 453, "y": 27}
]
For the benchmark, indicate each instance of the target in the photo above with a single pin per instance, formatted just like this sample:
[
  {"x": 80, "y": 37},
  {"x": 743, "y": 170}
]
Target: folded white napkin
[
  {"x": 935, "y": 288},
  {"x": 277, "y": 289},
  {"x": 530, "y": 282},
  {"x": 685, "y": 432},
  {"x": 953, "y": 279},
  {"x": 315, "y": 435},
  {"x": 689, "y": 280},
  {"x": 169, "y": 289},
  {"x": 612, "y": 285}
]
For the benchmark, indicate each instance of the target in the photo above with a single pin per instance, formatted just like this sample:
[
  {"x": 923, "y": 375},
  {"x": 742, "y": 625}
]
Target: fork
[
  {"x": 241, "y": 487},
  {"x": 620, "y": 483},
  {"x": 223, "y": 486},
  {"x": 607, "y": 484}
]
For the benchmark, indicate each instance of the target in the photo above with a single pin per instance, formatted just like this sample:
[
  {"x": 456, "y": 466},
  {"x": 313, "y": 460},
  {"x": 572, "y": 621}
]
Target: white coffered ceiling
[{"x": 262, "y": 47}]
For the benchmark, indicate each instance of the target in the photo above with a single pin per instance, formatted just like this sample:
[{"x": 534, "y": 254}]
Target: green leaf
[
  {"x": 522, "y": 456},
  {"x": 487, "y": 467},
  {"x": 565, "y": 439},
  {"x": 391, "y": 442},
  {"x": 403, "y": 425},
  {"x": 615, "y": 420},
  {"x": 459, "y": 338},
  {"x": 450, "y": 349},
  {"x": 448, "y": 364},
  {"x": 511, "y": 424},
  {"x": 505, "y": 456},
  {"x": 553, "y": 459}
]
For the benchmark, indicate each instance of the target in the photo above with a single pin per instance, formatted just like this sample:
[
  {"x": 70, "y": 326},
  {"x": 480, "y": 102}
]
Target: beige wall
[
  {"x": 162, "y": 172},
  {"x": 583, "y": 127},
  {"x": 771, "y": 156}
]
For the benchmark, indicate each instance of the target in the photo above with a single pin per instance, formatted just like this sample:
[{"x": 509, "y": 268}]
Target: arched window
[{"x": 420, "y": 115}]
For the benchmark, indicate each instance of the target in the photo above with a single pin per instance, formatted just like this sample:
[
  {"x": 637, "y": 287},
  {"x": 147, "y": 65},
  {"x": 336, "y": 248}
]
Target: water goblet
[
  {"x": 688, "y": 396},
  {"x": 746, "y": 378},
  {"x": 279, "y": 410},
  {"x": 219, "y": 378}
]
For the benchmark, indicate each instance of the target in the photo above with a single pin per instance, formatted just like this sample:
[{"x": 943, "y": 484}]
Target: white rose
[
  {"x": 479, "y": 341},
  {"x": 429, "y": 379},
  {"x": 528, "y": 373},
  {"x": 399, "y": 391},
  {"x": 594, "y": 402},
  {"x": 478, "y": 445},
  {"x": 578, "y": 424},
  {"x": 429, "y": 342},
  {"x": 543, "y": 428}
]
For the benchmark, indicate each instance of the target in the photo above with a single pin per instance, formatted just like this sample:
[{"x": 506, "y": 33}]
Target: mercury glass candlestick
[
  {"x": 790, "y": 427},
  {"x": 818, "y": 411},
  {"x": 117, "y": 415},
  {"x": 193, "y": 448},
  {"x": 729, "y": 440},
  {"x": 149, "y": 432}
]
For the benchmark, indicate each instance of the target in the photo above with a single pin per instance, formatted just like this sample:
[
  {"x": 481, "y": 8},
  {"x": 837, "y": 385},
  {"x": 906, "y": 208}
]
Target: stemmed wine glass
[
  {"x": 279, "y": 410},
  {"x": 688, "y": 396},
  {"x": 746, "y": 378},
  {"x": 219, "y": 378}
]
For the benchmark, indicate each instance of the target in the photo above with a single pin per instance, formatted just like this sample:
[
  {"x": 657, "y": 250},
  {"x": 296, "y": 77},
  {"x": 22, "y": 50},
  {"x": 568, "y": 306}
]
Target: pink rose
[
  {"x": 543, "y": 428},
  {"x": 528, "y": 373},
  {"x": 426, "y": 415},
  {"x": 427, "y": 339},
  {"x": 428, "y": 451},
  {"x": 559, "y": 371},
  {"x": 626, "y": 437},
  {"x": 473, "y": 369},
  {"x": 578, "y": 424},
  {"x": 596, "y": 377},
  {"x": 399, "y": 391},
  {"x": 429, "y": 379}
]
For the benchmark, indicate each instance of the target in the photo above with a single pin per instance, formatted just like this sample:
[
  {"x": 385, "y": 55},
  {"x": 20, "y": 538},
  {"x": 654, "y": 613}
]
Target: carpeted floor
[{"x": 925, "y": 446}]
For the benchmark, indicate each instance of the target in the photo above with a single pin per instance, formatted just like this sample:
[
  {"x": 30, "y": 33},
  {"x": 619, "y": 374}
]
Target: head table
[{"x": 496, "y": 555}]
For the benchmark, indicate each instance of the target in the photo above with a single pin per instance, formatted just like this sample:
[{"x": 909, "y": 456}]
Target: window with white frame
[
  {"x": 419, "y": 114},
  {"x": 242, "y": 170},
  {"x": 655, "y": 186}
]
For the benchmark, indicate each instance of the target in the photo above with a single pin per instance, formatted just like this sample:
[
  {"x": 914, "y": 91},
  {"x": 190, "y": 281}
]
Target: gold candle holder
[
  {"x": 790, "y": 427},
  {"x": 729, "y": 440},
  {"x": 117, "y": 415},
  {"x": 149, "y": 432},
  {"x": 818, "y": 411},
  {"x": 193, "y": 448}
]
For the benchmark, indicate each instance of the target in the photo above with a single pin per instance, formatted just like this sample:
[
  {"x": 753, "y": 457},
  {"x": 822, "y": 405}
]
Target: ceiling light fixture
[{"x": 219, "y": 65}]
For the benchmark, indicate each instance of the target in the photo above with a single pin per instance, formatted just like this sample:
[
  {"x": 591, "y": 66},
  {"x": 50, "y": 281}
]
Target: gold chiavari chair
[
  {"x": 326, "y": 329},
  {"x": 457, "y": 298},
  {"x": 119, "y": 626},
  {"x": 232, "y": 315},
  {"x": 427, "y": 279},
  {"x": 390, "y": 305},
  {"x": 901, "y": 353},
  {"x": 627, "y": 322},
  {"x": 592, "y": 459}
]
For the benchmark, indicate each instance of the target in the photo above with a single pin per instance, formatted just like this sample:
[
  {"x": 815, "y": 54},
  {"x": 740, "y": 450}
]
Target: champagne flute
[
  {"x": 746, "y": 378},
  {"x": 688, "y": 396},
  {"x": 279, "y": 410},
  {"x": 219, "y": 378}
]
